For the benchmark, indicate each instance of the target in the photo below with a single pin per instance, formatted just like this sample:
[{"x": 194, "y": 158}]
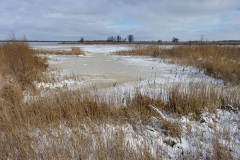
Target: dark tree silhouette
[
  {"x": 81, "y": 40},
  {"x": 119, "y": 38},
  {"x": 110, "y": 39},
  {"x": 130, "y": 38},
  {"x": 175, "y": 40}
]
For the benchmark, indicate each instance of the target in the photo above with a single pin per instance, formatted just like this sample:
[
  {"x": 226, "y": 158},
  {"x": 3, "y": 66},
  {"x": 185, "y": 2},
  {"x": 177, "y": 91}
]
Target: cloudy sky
[{"x": 98, "y": 19}]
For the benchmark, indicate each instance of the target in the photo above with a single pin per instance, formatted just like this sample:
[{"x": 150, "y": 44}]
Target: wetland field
[{"x": 119, "y": 101}]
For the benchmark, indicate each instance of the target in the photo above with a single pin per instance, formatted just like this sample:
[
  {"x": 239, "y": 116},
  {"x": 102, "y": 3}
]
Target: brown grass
[
  {"x": 221, "y": 152},
  {"x": 20, "y": 64},
  {"x": 77, "y": 108},
  {"x": 180, "y": 99},
  {"x": 74, "y": 51},
  {"x": 217, "y": 61},
  {"x": 74, "y": 108},
  {"x": 139, "y": 50},
  {"x": 32, "y": 130}
]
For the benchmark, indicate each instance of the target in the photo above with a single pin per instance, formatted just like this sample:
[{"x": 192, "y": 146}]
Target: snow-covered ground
[
  {"x": 198, "y": 139},
  {"x": 99, "y": 67},
  {"x": 120, "y": 74}
]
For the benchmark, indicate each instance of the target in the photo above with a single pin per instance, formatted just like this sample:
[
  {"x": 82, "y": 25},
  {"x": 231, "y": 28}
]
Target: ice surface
[
  {"x": 89, "y": 48},
  {"x": 100, "y": 67},
  {"x": 125, "y": 73}
]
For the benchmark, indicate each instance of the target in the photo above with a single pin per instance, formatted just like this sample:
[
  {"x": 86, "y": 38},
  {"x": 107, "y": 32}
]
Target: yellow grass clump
[
  {"x": 19, "y": 63},
  {"x": 73, "y": 51}
]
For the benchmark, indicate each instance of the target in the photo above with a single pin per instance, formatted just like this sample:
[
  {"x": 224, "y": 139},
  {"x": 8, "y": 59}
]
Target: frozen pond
[
  {"x": 101, "y": 68},
  {"x": 90, "y": 48}
]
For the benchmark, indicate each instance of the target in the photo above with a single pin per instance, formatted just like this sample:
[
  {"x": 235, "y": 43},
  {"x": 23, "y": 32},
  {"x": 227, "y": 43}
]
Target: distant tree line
[
  {"x": 118, "y": 38},
  {"x": 130, "y": 38},
  {"x": 229, "y": 41}
]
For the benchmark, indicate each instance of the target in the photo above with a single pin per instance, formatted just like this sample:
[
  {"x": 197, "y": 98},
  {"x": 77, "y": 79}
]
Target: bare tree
[
  {"x": 124, "y": 40},
  {"x": 119, "y": 38},
  {"x": 81, "y": 40},
  {"x": 110, "y": 39},
  {"x": 175, "y": 40},
  {"x": 130, "y": 38}
]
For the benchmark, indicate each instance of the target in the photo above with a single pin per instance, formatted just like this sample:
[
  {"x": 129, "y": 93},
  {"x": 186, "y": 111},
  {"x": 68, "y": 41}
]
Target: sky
[{"x": 146, "y": 20}]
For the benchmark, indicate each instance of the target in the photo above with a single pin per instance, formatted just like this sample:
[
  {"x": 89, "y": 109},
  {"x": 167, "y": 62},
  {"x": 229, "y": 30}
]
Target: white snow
[
  {"x": 195, "y": 137},
  {"x": 143, "y": 72}
]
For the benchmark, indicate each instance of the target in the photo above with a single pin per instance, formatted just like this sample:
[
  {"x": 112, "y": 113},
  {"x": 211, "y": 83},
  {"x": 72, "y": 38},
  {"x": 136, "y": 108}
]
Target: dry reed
[
  {"x": 217, "y": 61},
  {"x": 20, "y": 64},
  {"x": 64, "y": 124},
  {"x": 74, "y": 51}
]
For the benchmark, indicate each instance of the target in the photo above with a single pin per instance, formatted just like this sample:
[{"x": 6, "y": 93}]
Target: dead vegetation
[
  {"x": 73, "y": 51},
  {"x": 217, "y": 61},
  {"x": 65, "y": 124},
  {"x": 77, "y": 110},
  {"x": 20, "y": 65}
]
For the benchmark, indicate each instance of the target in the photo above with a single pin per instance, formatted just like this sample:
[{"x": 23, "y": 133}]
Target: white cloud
[
  {"x": 98, "y": 19},
  {"x": 56, "y": 15}
]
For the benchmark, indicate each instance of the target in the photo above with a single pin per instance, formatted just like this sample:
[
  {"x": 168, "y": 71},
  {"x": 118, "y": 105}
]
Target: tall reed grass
[
  {"x": 21, "y": 124},
  {"x": 75, "y": 124},
  {"x": 217, "y": 61},
  {"x": 20, "y": 64}
]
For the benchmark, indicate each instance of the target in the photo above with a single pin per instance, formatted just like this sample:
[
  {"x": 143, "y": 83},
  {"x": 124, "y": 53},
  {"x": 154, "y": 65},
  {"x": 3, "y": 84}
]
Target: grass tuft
[{"x": 73, "y": 51}]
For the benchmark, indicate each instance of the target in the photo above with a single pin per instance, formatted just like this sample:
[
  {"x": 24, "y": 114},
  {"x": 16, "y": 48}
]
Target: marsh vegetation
[
  {"x": 217, "y": 61},
  {"x": 179, "y": 121}
]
